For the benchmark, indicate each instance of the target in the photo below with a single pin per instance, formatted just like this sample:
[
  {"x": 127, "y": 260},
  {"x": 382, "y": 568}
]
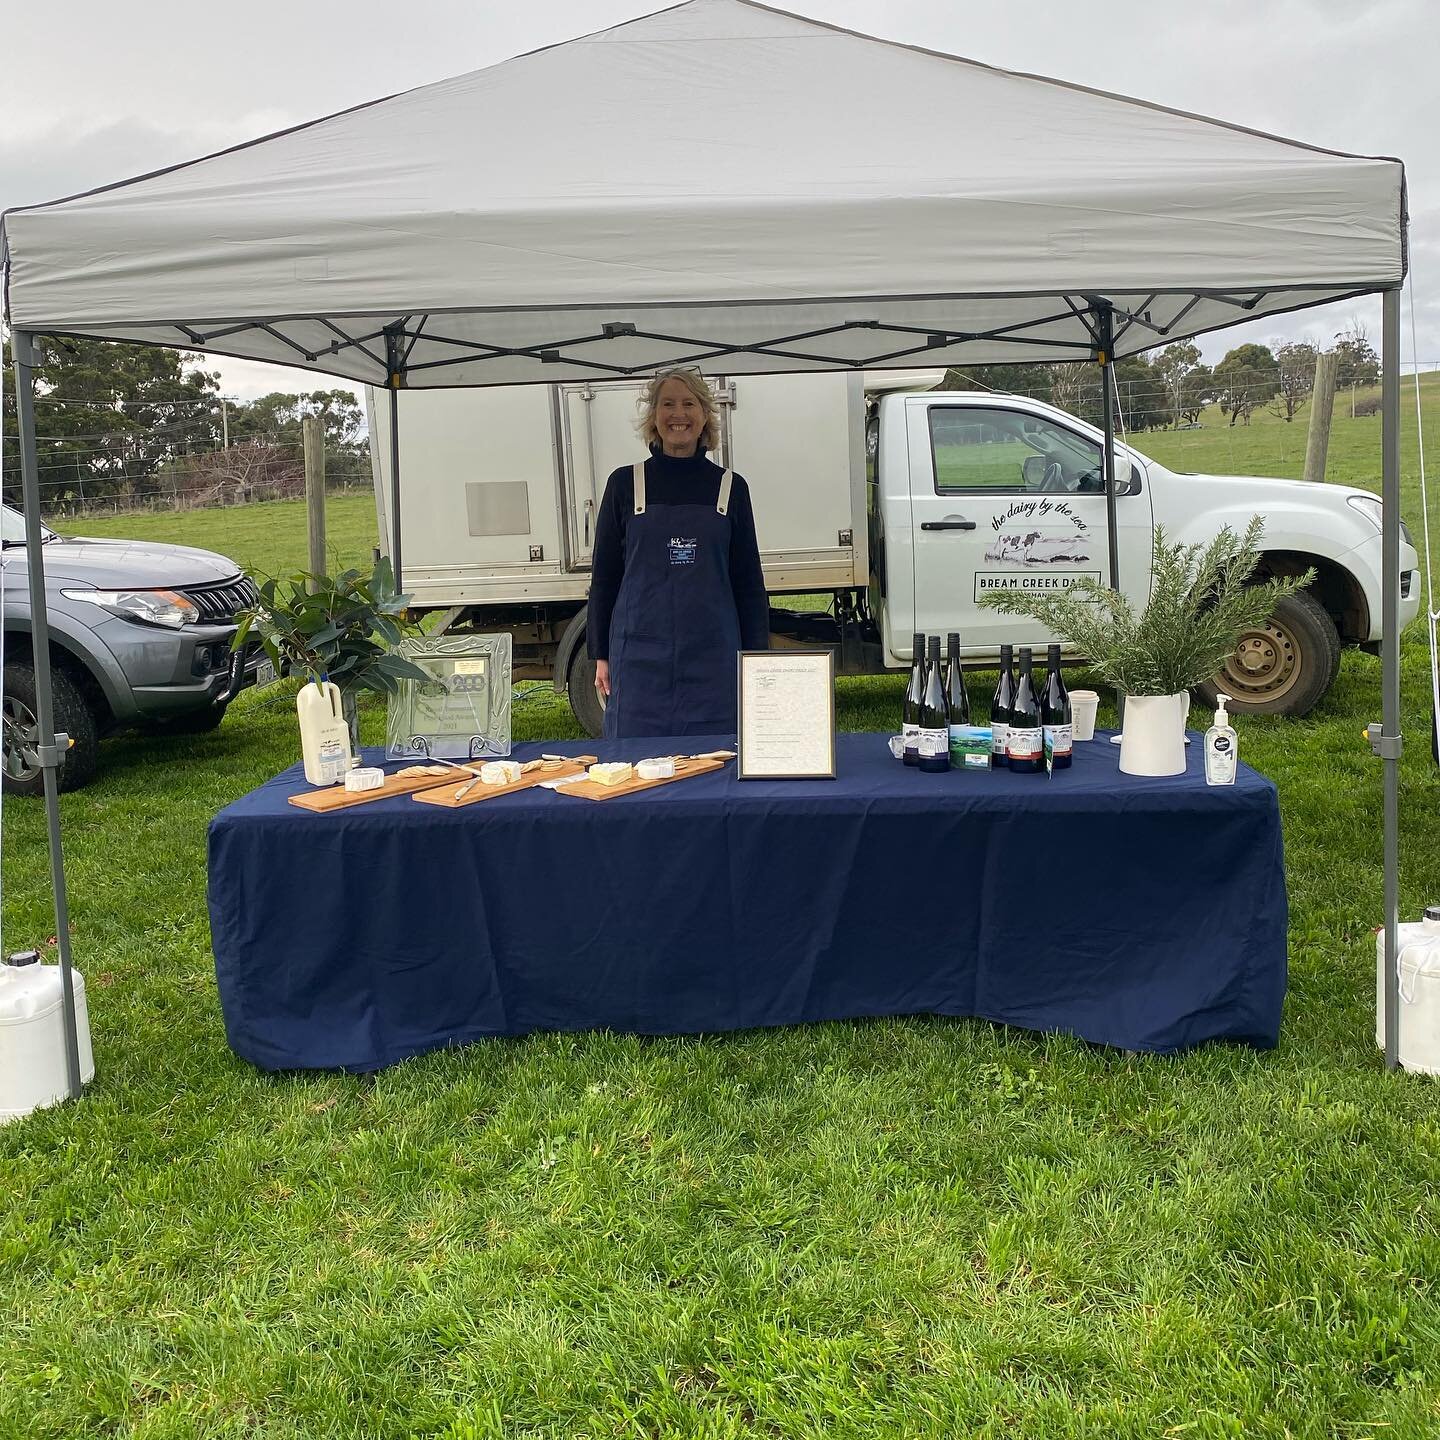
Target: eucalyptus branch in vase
[{"x": 345, "y": 628}]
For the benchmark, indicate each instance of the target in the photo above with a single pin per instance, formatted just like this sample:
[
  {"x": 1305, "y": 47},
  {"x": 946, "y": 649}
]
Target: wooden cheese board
[
  {"x": 450, "y": 796},
  {"x": 337, "y": 797},
  {"x": 686, "y": 766}
]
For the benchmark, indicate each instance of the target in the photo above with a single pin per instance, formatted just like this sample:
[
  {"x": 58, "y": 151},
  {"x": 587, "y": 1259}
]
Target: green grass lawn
[
  {"x": 908, "y": 1227},
  {"x": 269, "y": 537}
]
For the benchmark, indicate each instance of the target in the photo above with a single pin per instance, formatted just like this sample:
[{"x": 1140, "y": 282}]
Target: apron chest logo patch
[{"x": 682, "y": 551}]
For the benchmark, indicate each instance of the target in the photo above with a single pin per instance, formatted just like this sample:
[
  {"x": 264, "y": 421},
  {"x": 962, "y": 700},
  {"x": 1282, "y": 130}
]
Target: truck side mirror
[{"x": 1032, "y": 471}]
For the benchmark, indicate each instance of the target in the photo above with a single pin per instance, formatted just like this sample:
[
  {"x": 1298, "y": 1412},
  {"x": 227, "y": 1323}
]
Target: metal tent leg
[
  {"x": 1389, "y": 745},
  {"x": 395, "y": 360},
  {"x": 1106, "y": 327},
  {"x": 50, "y": 755}
]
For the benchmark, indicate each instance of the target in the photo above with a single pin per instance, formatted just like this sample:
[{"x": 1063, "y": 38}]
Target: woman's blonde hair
[{"x": 696, "y": 384}]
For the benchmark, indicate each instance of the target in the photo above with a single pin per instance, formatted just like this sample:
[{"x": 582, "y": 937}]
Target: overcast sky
[{"x": 91, "y": 93}]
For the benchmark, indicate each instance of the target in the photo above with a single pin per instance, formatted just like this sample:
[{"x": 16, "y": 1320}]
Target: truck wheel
[
  {"x": 22, "y": 773},
  {"x": 584, "y": 700},
  {"x": 1283, "y": 667}
]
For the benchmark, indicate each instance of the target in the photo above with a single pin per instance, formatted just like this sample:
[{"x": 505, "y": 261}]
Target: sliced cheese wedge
[
  {"x": 499, "y": 772},
  {"x": 611, "y": 772}
]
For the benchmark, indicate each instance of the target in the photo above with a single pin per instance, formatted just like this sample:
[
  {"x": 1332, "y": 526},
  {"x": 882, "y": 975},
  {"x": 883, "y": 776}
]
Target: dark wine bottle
[
  {"x": 1024, "y": 740},
  {"x": 957, "y": 702},
  {"x": 914, "y": 694},
  {"x": 1000, "y": 709},
  {"x": 1055, "y": 712},
  {"x": 934, "y": 715}
]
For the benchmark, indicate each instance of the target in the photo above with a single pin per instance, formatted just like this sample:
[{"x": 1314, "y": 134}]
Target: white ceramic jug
[{"x": 1153, "y": 740}]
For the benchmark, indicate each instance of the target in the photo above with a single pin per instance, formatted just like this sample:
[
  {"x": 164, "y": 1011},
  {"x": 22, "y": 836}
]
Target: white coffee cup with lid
[{"x": 1083, "y": 704}]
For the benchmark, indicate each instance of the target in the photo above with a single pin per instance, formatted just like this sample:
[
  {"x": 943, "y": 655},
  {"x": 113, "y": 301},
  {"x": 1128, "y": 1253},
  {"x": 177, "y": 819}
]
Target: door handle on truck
[{"x": 947, "y": 524}]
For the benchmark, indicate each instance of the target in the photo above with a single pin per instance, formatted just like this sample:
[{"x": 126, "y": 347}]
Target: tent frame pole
[
  {"x": 52, "y": 747},
  {"x": 395, "y": 364},
  {"x": 1389, "y": 743},
  {"x": 1105, "y": 344}
]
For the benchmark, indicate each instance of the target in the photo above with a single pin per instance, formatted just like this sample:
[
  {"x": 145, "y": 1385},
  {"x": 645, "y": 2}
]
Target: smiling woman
[{"x": 676, "y": 585}]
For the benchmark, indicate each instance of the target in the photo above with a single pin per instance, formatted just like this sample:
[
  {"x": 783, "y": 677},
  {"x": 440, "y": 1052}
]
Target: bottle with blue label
[{"x": 1222, "y": 748}]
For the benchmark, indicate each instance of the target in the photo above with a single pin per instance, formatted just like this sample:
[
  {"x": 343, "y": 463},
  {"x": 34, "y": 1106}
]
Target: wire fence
[{"x": 171, "y": 455}]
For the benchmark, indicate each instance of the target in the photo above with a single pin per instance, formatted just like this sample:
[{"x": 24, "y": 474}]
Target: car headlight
[
  {"x": 153, "y": 607},
  {"x": 1370, "y": 506}
]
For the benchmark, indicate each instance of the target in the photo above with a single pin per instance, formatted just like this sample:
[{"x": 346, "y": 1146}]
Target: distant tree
[
  {"x": 1356, "y": 362},
  {"x": 1197, "y": 391},
  {"x": 1142, "y": 395},
  {"x": 1031, "y": 380},
  {"x": 275, "y": 419},
  {"x": 108, "y": 416},
  {"x": 1068, "y": 383},
  {"x": 1296, "y": 362},
  {"x": 1248, "y": 376},
  {"x": 1172, "y": 368}
]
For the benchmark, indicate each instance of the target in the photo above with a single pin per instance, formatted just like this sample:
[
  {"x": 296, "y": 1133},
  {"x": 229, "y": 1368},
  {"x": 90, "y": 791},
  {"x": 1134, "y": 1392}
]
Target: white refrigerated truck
[{"x": 902, "y": 503}]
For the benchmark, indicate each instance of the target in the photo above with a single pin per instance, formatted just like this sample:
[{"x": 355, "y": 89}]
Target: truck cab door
[{"x": 1005, "y": 497}]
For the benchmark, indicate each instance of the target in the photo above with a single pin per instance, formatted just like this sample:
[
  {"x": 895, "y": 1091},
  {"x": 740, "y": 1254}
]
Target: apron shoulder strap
[
  {"x": 722, "y": 503},
  {"x": 639, "y": 473}
]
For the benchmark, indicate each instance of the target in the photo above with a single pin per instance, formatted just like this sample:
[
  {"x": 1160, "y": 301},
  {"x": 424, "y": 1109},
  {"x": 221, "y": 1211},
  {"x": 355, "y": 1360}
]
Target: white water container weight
[
  {"x": 1417, "y": 949},
  {"x": 32, "y": 1035}
]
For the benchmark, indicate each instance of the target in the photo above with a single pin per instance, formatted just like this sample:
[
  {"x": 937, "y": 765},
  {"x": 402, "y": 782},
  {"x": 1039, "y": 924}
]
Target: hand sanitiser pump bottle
[{"x": 1222, "y": 750}]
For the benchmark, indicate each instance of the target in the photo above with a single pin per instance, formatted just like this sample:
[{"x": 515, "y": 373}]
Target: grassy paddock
[{"x": 902, "y": 1227}]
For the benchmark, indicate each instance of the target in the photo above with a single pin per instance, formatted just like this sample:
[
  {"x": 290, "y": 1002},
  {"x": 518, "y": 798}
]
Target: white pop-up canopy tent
[{"x": 726, "y": 185}]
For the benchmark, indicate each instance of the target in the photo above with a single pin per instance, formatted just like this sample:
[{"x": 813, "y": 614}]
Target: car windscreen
[{"x": 12, "y": 527}]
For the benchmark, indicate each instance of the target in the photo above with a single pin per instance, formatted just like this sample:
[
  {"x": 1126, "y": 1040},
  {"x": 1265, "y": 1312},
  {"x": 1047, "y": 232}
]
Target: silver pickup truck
[{"x": 140, "y": 638}]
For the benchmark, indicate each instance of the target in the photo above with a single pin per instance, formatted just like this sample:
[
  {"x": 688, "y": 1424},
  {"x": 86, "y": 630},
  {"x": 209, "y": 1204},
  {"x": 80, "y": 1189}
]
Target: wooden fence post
[
  {"x": 313, "y": 431},
  {"x": 1322, "y": 406}
]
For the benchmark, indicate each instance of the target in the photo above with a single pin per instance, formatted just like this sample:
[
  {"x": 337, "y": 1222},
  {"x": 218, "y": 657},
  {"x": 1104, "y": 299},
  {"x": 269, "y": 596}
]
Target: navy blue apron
[{"x": 674, "y": 632}]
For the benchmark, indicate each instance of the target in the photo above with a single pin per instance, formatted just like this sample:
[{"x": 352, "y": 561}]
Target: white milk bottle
[{"x": 324, "y": 735}]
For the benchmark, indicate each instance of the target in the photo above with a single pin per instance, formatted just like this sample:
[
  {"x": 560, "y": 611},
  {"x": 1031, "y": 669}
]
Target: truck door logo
[{"x": 1039, "y": 532}]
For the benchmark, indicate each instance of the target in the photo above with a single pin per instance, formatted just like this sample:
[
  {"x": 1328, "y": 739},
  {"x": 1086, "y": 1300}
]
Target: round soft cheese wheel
[{"x": 661, "y": 769}]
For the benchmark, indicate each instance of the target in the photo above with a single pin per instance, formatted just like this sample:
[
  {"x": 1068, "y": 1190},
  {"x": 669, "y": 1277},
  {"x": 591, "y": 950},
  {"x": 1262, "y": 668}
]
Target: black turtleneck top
[{"x": 675, "y": 480}]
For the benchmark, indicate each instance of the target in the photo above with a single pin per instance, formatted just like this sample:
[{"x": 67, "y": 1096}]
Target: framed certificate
[
  {"x": 462, "y": 712},
  {"x": 787, "y": 715}
]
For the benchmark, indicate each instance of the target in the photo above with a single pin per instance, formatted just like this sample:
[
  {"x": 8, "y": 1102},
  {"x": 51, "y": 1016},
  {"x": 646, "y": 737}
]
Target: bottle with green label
[
  {"x": 1000, "y": 708},
  {"x": 957, "y": 702},
  {"x": 1055, "y": 713}
]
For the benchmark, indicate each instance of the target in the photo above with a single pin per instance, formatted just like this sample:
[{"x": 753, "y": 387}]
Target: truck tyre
[
  {"x": 73, "y": 717},
  {"x": 584, "y": 700},
  {"x": 1285, "y": 666}
]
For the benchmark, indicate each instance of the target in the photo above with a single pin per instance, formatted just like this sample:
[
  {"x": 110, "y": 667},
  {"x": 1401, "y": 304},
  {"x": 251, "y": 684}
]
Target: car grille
[{"x": 217, "y": 604}]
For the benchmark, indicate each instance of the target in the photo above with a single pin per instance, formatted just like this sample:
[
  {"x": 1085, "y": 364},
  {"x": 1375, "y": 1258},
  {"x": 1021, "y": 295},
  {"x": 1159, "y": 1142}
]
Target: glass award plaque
[{"x": 462, "y": 712}]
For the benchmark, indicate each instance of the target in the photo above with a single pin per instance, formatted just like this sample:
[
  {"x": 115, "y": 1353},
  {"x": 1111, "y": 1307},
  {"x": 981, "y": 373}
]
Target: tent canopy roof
[{"x": 720, "y": 184}]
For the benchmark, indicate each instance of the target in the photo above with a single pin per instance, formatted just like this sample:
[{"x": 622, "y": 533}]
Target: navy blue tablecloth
[{"x": 1143, "y": 913}]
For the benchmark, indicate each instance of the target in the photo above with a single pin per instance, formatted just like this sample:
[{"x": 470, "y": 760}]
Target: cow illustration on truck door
[{"x": 1036, "y": 535}]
